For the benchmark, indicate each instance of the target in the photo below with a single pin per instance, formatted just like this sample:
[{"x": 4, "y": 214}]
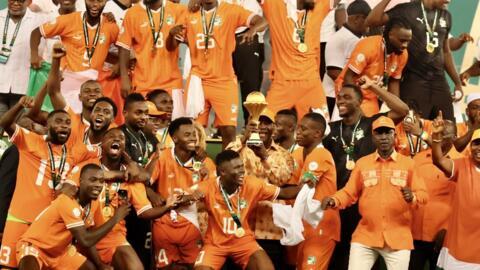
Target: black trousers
[
  {"x": 8, "y": 179},
  {"x": 247, "y": 63},
  {"x": 422, "y": 254},
  {"x": 139, "y": 236},
  {"x": 428, "y": 95},
  {"x": 323, "y": 68}
]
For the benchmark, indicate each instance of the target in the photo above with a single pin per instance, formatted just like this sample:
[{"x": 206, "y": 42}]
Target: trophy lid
[{"x": 255, "y": 97}]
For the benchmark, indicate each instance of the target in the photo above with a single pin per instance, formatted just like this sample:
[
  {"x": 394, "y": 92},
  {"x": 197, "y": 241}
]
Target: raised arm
[
  {"x": 442, "y": 162},
  {"x": 54, "y": 78},
  {"x": 124, "y": 65},
  {"x": 8, "y": 119},
  {"x": 36, "y": 113},
  {"x": 451, "y": 70},
  {"x": 35, "y": 38},
  {"x": 377, "y": 16}
]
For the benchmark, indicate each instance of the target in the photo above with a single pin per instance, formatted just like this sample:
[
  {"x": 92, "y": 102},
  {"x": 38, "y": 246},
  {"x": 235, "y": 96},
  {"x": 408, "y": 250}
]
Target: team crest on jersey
[
  {"x": 170, "y": 20},
  {"x": 242, "y": 203},
  {"x": 77, "y": 212},
  {"x": 193, "y": 21},
  {"x": 393, "y": 67},
  {"x": 360, "y": 58},
  {"x": 442, "y": 22},
  {"x": 102, "y": 39},
  {"x": 218, "y": 21},
  {"x": 359, "y": 134},
  {"x": 149, "y": 147},
  {"x": 311, "y": 260},
  {"x": 312, "y": 166}
]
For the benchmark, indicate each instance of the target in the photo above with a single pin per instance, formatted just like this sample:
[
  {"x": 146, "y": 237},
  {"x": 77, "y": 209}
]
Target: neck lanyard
[
  {"x": 207, "y": 30},
  {"x": 90, "y": 49},
  {"x": 5, "y": 31},
  {"x": 88, "y": 208},
  {"x": 385, "y": 73},
  {"x": 292, "y": 148},
  {"x": 300, "y": 28},
  {"x": 151, "y": 21},
  {"x": 414, "y": 149},
  {"x": 164, "y": 136},
  {"x": 143, "y": 153},
  {"x": 431, "y": 29},
  {"x": 235, "y": 216},
  {"x": 56, "y": 175}
]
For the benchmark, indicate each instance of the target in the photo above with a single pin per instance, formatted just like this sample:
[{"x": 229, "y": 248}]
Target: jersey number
[
  {"x": 41, "y": 172},
  {"x": 229, "y": 226},
  {"x": 5, "y": 253},
  {"x": 160, "y": 42},
  {"x": 201, "y": 42},
  {"x": 433, "y": 40}
]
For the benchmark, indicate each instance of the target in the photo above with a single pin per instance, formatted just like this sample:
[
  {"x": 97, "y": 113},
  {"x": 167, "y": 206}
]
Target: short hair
[
  {"x": 317, "y": 118},
  {"x": 55, "y": 112},
  {"x": 89, "y": 82},
  {"x": 289, "y": 112},
  {"x": 175, "y": 124},
  {"x": 226, "y": 156},
  {"x": 358, "y": 7},
  {"x": 396, "y": 22},
  {"x": 111, "y": 130},
  {"x": 155, "y": 93},
  {"x": 89, "y": 167},
  {"x": 109, "y": 101},
  {"x": 356, "y": 89},
  {"x": 132, "y": 98}
]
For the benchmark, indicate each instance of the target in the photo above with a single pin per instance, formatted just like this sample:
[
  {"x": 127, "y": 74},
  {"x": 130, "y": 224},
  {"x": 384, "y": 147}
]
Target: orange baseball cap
[
  {"x": 269, "y": 114},
  {"x": 476, "y": 135},
  {"x": 152, "y": 109},
  {"x": 383, "y": 121}
]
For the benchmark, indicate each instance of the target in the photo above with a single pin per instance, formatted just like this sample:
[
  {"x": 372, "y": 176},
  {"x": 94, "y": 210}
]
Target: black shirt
[
  {"x": 8, "y": 178},
  {"x": 139, "y": 145},
  {"x": 427, "y": 65}
]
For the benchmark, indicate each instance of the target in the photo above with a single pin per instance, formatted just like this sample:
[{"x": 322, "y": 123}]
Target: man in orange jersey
[
  {"x": 210, "y": 35},
  {"x": 382, "y": 59},
  {"x": 176, "y": 237},
  {"x": 294, "y": 32},
  {"x": 229, "y": 200},
  {"x": 386, "y": 186},
  {"x": 461, "y": 249},
  {"x": 87, "y": 37},
  {"x": 465, "y": 130},
  {"x": 47, "y": 244},
  {"x": 313, "y": 160},
  {"x": 429, "y": 223},
  {"x": 145, "y": 30},
  {"x": 44, "y": 162}
]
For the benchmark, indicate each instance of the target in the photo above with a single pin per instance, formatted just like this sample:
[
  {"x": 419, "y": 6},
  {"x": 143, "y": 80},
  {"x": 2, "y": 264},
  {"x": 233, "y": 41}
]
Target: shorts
[
  {"x": 214, "y": 256},
  {"x": 11, "y": 235},
  {"x": 69, "y": 260},
  {"x": 302, "y": 95},
  {"x": 315, "y": 252},
  {"x": 175, "y": 242},
  {"x": 109, "y": 244}
]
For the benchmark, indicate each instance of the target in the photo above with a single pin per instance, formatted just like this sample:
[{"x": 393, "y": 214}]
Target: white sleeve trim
[
  {"x": 42, "y": 32},
  {"x": 453, "y": 170},
  {"x": 15, "y": 133},
  {"x": 123, "y": 45},
  {"x": 354, "y": 69},
  {"x": 75, "y": 224},
  {"x": 143, "y": 209},
  {"x": 277, "y": 192}
]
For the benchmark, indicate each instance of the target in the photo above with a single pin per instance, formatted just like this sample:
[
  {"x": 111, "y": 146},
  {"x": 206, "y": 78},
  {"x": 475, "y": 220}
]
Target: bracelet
[{"x": 437, "y": 140}]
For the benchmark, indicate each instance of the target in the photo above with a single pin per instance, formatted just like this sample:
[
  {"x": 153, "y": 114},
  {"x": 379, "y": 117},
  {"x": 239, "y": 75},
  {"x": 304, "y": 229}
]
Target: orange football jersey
[
  {"x": 70, "y": 29},
  {"x": 155, "y": 68},
  {"x": 217, "y": 63}
]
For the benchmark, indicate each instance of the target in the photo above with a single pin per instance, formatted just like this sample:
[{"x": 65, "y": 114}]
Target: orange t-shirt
[
  {"x": 463, "y": 233},
  {"x": 70, "y": 29},
  {"x": 320, "y": 162},
  {"x": 368, "y": 58},
  {"x": 402, "y": 145},
  {"x": 430, "y": 218},
  {"x": 169, "y": 177},
  {"x": 221, "y": 226},
  {"x": 50, "y": 230},
  {"x": 34, "y": 188},
  {"x": 376, "y": 185},
  {"x": 154, "y": 69},
  {"x": 288, "y": 63},
  {"x": 217, "y": 64}
]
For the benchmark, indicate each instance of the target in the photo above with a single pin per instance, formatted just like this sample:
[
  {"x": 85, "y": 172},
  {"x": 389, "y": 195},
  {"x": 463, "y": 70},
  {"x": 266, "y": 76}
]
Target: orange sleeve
[
  {"x": 56, "y": 27},
  {"x": 70, "y": 212},
  {"x": 86, "y": 153},
  {"x": 241, "y": 15},
  {"x": 360, "y": 57},
  {"x": 320, "y": 164},
  {"x": 349, "y": 194},
  {"x": 114, "y": 32},
  {"x": 19, "y": 137},
  {"x": 73, "y": 176},
  {"x": 125, "y": 39},
  {"x": 267, "y": 191},
  {"x": 397, "y": 74},
  {"x": 418, "y": 187},
  {"x": 155, "y": 172},
  {"x": 139, "y": 198}
]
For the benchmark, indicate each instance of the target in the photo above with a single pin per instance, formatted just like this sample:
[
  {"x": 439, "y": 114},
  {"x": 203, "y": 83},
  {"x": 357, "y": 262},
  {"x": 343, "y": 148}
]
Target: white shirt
[
  {"x": 477, "y": 55},
  {"x": 15, "y": 73},
  {"x": 337, "y": 53},
  {"x": 390, "y": 5},
  {"x": 116, "y": 10}
]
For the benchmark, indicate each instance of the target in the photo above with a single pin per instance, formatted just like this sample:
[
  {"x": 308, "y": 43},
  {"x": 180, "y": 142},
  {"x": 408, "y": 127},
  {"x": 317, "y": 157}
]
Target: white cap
[{"x": 472, "y": 97}]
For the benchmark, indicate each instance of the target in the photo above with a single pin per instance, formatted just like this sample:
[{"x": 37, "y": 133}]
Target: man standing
[
  {"x": 284, "y": 132},
  {"x": 430, "y": 55},
  {"x": 386, "y": 185},
  {"x": 465, "y": 130},
  {"x": 210, "y": 33},
  {"x": 463, "y": 225},
  {"x": 16, "y": 23},
  {"x": 87, "y": 37},
  {"x": 349, "y": 140},
  {"x": 382, "y": 59}
]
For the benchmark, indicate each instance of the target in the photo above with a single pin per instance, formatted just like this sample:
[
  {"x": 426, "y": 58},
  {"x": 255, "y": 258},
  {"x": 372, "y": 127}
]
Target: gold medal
[
  {"x": 71, "y": 250},
  {"x": 240, "y": 232},
  {"x": 350, "y": 164},
  {"x": 197, "y": 165},
  {"x": 302, "y": 47},
  {"x": 107, "y": 211},
  {"x": 430, "y": 47}
]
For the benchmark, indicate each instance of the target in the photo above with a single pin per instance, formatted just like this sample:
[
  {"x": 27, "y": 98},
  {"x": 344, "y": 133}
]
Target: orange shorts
[
  {"x": 214, "y": 256},
  {"x": 315, "y": 252},
  {"x": 109, "y": 244},
  {"x": 175, "y": 242},
  {"x": 13, "y": 231},
  {"x": 69, "y": 260},
  {"x": 369, "y": 104},
  {"x": 302, "y": 95},
  {"x": 222, "y": 96}
]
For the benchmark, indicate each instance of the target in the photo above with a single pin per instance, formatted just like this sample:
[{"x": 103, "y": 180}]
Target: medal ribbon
[
  {"x": 427, "y": 25},
  {"x": 349, "y": 148},
  {"x": 300, "y": 28},
  {"x": 207, "y": 32},
  {"x": 88, "y": 208},
  {"x": 151, "y": 21},
  {"x": 235, "y": 216},
  {"x": 90, "y": 50},
  {"x": 414, "y": 149},
  {"x": 53, "y": 171},
  {"x": 5, "y": 32},
  {"x": 385, "y": 73}
]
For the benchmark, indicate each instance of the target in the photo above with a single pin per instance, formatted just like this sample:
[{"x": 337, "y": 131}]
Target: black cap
[{"x": 358, "y": 7}]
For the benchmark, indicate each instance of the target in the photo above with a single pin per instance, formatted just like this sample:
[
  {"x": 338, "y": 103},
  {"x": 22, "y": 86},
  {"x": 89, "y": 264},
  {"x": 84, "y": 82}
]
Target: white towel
[
  {"x": 178, "y": 105},
  {"x": 292, "y": 9},
  {"x": 195, "y": 97},
  {"x": 190, "y": 214},
  {"x": 290, "y": 219},
  {"x": 71, "y": 84}
]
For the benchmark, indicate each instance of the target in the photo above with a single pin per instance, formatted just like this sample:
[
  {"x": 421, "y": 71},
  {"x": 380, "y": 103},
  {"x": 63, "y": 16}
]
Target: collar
[
  {"x": 393, "y": 156},
  {"x": 122, "y": 6},
  {"x": 229, "y": 195},
  {"x": 88, "y": 24},
  {"x": 164, "y": 4},
  {"x": 189, "y": 162}
]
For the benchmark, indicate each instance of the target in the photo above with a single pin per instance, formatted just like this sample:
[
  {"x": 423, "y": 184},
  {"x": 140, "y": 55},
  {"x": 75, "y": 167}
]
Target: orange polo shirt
[
  {"x": 386, "y": 216},
  {"x": 432, "y": 217},
  {"x": 463, "y": 227}
]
